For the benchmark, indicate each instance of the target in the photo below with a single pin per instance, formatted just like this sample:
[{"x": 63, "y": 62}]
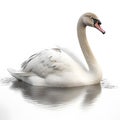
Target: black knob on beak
[{"x": 97, "y": 21}]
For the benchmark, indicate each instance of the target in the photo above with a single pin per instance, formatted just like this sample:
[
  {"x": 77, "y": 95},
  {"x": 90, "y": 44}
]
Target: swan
[{"x": 57, "y": 67}]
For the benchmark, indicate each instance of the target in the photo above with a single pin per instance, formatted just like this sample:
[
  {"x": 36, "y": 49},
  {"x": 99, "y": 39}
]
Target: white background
[{"x": 28, "y": 26}]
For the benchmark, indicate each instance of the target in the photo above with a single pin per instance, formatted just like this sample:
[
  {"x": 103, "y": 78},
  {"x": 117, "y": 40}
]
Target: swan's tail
[
  {"x": 19, "y": 74},
  {"x": 28, "y": 77},
  {"x": 14, "y": 73}
]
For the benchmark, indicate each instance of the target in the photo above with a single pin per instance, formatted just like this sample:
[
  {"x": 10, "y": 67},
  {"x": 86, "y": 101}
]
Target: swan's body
[{"x": 58, "y": 68}]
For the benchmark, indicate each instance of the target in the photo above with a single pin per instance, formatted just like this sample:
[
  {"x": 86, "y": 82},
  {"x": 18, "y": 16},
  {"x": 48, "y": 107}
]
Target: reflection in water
[
  {"x": 57, "y": 96},
  {"x": 83, "y": 103}
]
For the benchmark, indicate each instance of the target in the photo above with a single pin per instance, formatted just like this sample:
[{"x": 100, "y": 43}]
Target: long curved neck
[{"x": 90, "y": 59}]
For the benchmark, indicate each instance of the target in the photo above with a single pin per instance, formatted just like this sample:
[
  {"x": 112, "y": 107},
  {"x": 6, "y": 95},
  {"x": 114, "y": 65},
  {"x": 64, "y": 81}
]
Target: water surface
[{"x": 20, "y": 101}]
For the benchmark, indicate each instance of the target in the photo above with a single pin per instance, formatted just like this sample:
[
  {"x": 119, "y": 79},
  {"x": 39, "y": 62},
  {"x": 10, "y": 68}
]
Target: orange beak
[{"x": 99, "y": 27}]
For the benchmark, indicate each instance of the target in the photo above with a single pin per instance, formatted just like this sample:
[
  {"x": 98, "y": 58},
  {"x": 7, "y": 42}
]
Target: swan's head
[{"x": 90, "y": 19}]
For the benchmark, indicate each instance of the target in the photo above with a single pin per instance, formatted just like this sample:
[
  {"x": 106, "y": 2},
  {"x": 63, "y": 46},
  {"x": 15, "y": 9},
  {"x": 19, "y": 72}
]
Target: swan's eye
[
  {"x": 91, "y": 17},
  {"x": 96, "y": 21}
]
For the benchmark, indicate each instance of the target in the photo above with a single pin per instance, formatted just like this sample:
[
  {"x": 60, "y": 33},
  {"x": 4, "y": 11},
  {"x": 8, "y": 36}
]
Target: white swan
[{"x": 58, "y": 67}]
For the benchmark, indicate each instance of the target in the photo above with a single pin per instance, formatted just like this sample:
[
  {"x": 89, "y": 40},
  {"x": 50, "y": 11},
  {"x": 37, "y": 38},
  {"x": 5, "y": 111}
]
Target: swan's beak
[{"x": 97, "y": 25}]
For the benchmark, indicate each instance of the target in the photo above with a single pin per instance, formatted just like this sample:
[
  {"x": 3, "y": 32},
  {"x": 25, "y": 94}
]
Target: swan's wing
[
  {"x": 24, "y": 64},
  {"x": 53, "y": 60},
  {"x": 72, "y": 56},
  {"x": 45, "y": 62}
]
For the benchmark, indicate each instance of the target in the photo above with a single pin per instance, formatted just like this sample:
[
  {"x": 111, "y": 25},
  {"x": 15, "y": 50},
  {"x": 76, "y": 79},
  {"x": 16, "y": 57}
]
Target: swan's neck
[{"x": 90, "y": 59}]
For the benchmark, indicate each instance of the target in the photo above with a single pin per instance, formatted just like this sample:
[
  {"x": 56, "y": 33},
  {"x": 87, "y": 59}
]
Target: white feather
[{"x": 58, "y": 67}]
